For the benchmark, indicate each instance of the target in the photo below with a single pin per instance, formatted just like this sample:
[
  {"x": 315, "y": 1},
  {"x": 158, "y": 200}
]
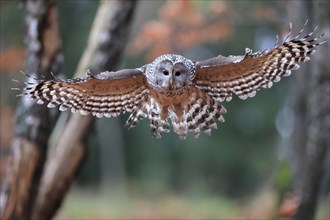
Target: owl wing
[
  {"x": 221, "y": 77},
  {"x": 106, "y": 94}
]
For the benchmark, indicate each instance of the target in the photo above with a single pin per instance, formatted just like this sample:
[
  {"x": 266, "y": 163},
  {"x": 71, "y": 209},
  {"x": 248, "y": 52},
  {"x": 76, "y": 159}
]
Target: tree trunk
[
  {"x": 106, "y": 44},
  {"x": 23, "y": 194},
  {"x": 33, "y": 125},
  {"x": 299, "y": 93},
  {"x": 318, "y": 109},
  {"x": 312, "y": 107}
]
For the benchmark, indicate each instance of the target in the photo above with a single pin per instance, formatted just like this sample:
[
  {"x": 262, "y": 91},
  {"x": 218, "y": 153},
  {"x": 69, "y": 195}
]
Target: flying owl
[{"x": 173, "y": 89}]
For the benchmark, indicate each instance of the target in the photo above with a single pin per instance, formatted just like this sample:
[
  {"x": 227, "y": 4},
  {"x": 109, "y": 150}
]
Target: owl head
[{"x": 170, "y": 72}]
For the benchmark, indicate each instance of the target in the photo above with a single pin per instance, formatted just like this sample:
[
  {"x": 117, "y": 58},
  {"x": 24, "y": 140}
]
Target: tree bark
[
  {"x": 106, "y": 44},
  {"x": 33, "y": 125},
  {"x": 318, "y": 103},
  {"x": 299, "y": 93},
  {"x": 311, "y": 140},
  {"x": 20, "y": 197}
]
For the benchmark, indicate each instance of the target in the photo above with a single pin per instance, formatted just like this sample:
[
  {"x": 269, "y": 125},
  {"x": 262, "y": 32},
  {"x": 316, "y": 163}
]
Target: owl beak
[{"x": 171, "y": 84}]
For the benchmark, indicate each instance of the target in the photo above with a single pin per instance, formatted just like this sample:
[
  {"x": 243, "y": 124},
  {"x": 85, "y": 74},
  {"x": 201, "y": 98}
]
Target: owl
[{"x": 175, "y": 90}]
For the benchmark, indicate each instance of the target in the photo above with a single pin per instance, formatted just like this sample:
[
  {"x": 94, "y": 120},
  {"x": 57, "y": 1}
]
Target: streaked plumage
[{"x": 175, "y": 89}]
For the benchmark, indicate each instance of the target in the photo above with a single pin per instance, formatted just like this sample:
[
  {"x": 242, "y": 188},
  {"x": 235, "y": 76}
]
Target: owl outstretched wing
[
  {"x": 221, "y": 77},
  {"x": 106, "y": 94},
  {"x": 163, "y": 95}
]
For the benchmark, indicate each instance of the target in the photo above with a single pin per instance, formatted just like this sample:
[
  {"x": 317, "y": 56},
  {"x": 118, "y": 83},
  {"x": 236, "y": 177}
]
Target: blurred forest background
[{"x": 243, "y": 170}]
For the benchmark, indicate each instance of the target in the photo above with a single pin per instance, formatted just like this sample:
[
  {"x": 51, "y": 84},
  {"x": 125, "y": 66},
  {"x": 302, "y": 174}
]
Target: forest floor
[{"x": 95, "y": 205}]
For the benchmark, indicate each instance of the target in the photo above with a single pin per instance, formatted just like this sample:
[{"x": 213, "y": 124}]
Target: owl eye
[
  {"x": 165, "y": 72},
  {"x": 177, "y": 73}
]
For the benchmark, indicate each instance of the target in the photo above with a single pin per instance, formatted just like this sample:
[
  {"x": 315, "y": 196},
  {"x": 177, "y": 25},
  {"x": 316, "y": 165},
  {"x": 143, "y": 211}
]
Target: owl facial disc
[{"x": 170, "y": 72}]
